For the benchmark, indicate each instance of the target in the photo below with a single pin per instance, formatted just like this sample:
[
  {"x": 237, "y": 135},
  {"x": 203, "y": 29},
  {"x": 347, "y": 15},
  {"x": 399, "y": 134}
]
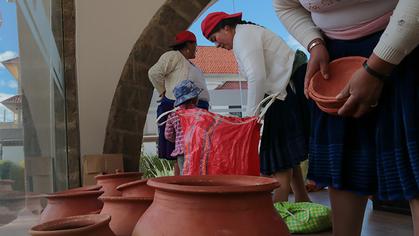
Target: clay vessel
[
  {"x": 86, "y": 225},
  {"x": 137, "y": 188},
  {"x": 66, "y": 204},
  {"x": 212, "y": 205},
  {"x": 340, "y": 72},
  {"x": 6, "y": 185},
  {"x": 109, "y": 182},
  {"x": 84, "y": 188},
  {"x": 323, "y": 91},
  {"x": 125, "y": 212}
]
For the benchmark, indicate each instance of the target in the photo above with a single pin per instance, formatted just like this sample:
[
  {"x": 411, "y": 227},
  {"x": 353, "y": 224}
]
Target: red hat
[
  {"x": 183, "y": 37},
  {"x": 212, "y": 20}
]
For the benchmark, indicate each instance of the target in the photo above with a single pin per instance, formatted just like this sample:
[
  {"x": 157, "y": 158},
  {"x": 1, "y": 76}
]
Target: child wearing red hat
[{"x": 269, "y": 66}]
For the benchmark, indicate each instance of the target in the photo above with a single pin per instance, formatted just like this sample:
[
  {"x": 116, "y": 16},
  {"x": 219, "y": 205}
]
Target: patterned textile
[
  {"x": 173, "y": 132},
  {"x": 305, "y": 217}
]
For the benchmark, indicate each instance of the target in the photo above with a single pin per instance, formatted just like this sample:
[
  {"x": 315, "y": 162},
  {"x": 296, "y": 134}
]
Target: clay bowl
[
  {"x": 86, "y": 225},
  {"x": 137, "y": 188},
  {"x": 340, "y": 72},
  {"x": 323, "y": 91}
]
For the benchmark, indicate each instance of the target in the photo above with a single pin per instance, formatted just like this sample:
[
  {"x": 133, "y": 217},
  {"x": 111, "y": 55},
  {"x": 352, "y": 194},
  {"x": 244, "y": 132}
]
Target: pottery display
[
  {"x": 86, "y": 225},
  {"x": 211, "y": 205},
  {"x": 109, "y": 182},
  {"x": 64, "y": 204},
  {"x": 138, "y": 188},
  {"x": 125, "y": 212}
]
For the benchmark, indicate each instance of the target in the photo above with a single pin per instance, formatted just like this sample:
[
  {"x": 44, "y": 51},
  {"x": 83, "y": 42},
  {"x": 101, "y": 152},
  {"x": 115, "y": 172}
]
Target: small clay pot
[
  {"x": 211, "y": 205},
  {"x": 125, "y": 212},
  {"x": 138, "y": 188},
  {"x": 109, "y": 182},
  {"x": 6, "y": 185},
  {"x": 86, "y": 225},
  {"x": 66, "y": 204}
]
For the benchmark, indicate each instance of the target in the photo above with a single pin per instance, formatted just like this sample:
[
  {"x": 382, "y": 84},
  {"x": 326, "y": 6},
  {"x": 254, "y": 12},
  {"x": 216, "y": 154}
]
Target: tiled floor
[{"x": 376, "y": 223}]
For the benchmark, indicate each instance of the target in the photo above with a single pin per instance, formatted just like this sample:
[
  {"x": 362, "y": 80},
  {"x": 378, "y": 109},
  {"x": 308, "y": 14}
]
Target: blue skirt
[
  {"x": 284, "y": 137},
  {"x": 165, "y": 147},
  {"x": 377, "y": 154}
]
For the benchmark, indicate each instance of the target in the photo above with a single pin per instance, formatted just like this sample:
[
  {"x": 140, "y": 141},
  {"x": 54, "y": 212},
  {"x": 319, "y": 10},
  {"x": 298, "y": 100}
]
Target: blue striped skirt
[{"x": 377, "y": 154}]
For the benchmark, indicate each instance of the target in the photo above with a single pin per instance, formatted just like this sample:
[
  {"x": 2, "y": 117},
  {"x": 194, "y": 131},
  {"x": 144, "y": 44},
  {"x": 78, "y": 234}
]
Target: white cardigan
[
  {"x": 398, "y": 40},
  {"x": 265, "y": 61}
]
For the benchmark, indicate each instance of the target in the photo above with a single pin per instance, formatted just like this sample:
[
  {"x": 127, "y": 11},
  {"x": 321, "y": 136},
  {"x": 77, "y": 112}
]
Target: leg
[
  {"x": 176, "y": 168},
  {"x": 284, "y": 179},
  {"x": 180, "y": 161},
  {"x": 347, "y": 212},
  {"x": 414, "y": 206},
  {"x": 298, "y": 186}
]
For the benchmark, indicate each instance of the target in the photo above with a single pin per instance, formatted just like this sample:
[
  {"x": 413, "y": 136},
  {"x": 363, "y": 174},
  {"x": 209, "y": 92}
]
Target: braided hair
[{"x": 232, "y": 22}]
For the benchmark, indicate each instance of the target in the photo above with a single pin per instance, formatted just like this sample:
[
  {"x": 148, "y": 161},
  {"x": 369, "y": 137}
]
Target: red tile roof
[
  {"x": 17, "y": 99},
  {"x": 232, "y": 85},
  {"x": 213, "y": 60}
]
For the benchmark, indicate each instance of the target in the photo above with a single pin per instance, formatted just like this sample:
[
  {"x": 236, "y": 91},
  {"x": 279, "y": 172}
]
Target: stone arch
[{"x": 131, "y": 101}]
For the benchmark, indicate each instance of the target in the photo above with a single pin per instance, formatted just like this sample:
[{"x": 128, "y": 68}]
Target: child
[{"x": 186, "y": 94}]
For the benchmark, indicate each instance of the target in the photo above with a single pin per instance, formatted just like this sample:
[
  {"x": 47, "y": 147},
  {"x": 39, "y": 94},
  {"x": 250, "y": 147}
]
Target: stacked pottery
[
  {"x": 125, "y": 210},
  {"x": 211, "y": 205},
  {"x": 71, "y": 203},
  {"x": 324, "y": 91},
  {"x": 109, "y": 182},
  {"x": 86, "y": 225}
]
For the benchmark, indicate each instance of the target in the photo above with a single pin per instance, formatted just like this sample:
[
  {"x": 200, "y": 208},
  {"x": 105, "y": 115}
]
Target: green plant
[{"x": 151, "y": 166}]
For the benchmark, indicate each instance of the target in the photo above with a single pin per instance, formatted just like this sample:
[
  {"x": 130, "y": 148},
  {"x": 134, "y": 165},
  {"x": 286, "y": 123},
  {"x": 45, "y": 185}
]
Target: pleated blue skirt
[{"x": 377, "y": 154}]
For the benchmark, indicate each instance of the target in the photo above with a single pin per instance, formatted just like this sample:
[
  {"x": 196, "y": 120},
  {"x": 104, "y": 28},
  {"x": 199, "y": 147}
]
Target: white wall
[{"x": 106, "y": 32}]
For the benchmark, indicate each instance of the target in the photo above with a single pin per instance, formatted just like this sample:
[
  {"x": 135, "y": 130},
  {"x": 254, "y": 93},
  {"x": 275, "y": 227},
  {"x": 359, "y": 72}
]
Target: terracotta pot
[
  {"x": 86, "y": 225},
  {"x": 125, "y": 212},
  {"x": 84, "y": 188},
  {"x": 211, "y": 205},
  {"x": 109, "y": 182},
  {"x": 340, "y": 72},
  {"x": 6, "y": 185},
  {"x": 66, "y": 204},
  {"x": 137, "y": 188}
]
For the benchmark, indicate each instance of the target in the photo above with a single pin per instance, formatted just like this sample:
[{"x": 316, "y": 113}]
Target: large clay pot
[
  {"x": 211, "y": 205},
  {"x": 66, "y": 204},
  {"x": 109, "y": 182},
  {"x": 84, "y": 188},
  {"x": 86, "y": 225},
  {"x": 125, "y": 212},
  {"x": 137, "y": 188}
]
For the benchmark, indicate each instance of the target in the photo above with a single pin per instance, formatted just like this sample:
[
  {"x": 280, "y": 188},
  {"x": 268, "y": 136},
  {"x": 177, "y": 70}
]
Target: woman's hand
[
  {"x": 362, "y": 91},
  {"x": 319, "y": 60}
]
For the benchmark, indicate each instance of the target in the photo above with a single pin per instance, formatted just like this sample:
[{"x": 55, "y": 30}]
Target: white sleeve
[
  {"x": 297, "y": 20},
  {"x": 402, "y": 33},
  {"x": 252, "y": 65}
]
